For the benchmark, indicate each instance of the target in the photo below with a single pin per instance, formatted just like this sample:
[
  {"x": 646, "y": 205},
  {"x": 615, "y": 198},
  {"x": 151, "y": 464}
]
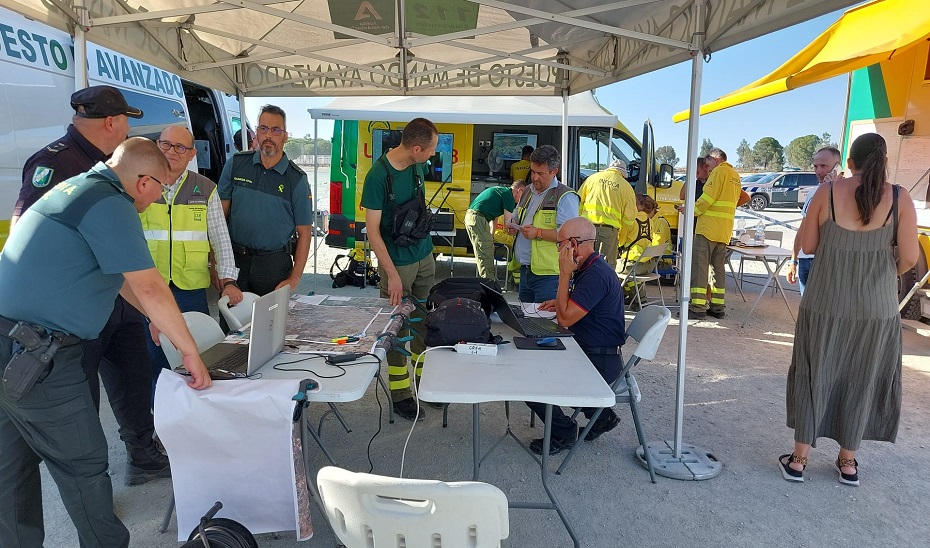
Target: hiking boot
[
  {"x": 145, "y": 464},
  {"x": 719, "y": 314},
  {"x": 605, "y": 423},
  {"x": 556, "y": 445},
  {"x": 407, "y": 409}
]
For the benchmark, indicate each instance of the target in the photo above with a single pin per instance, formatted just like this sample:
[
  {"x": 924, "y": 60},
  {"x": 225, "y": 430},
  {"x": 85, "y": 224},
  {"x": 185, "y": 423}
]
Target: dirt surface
[{"x": 733, "y": 407}]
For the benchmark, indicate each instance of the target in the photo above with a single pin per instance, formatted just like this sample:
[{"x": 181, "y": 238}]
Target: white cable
[{"x": 403, "y": 454}]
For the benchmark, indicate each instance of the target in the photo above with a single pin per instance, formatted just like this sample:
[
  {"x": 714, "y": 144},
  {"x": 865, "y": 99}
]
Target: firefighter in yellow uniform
[
  {"x": 714, "y": 210},
  {"x": 609, "y": 202}
]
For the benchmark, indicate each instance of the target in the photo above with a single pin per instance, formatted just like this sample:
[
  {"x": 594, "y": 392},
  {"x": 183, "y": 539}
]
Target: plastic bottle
[{"x": 759, "y": 237}]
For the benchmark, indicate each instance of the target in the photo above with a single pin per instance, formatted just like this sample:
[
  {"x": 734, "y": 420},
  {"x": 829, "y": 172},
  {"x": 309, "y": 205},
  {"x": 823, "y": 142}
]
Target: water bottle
[{"x": 759, "y": 238}]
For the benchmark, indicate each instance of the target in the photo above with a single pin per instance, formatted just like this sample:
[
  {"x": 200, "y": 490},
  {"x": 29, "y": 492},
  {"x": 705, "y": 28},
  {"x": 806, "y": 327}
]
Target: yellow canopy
[{"x": 862, "y": 37}]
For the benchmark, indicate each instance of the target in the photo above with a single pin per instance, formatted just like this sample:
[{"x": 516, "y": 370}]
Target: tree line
[
  {"x": 298, "y": 146},
  {"x": 766, "y": 155}
]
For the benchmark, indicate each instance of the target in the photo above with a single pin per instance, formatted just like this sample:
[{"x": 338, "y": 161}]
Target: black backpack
[
  {"x": 467, "y": 288},
  {"x": 457, "y": 320}
]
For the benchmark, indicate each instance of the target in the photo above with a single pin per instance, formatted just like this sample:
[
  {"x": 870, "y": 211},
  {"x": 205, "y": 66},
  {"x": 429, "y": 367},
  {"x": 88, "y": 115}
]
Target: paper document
[{"x": 532, "y": 310}]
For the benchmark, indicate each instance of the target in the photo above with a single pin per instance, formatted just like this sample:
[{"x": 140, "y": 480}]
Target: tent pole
[
  {"x": 564, "y": 141},
  {"x": 316, "y": 189},
  {"x": 675, "y": 459},
  {"x": 80, "y": 46}
]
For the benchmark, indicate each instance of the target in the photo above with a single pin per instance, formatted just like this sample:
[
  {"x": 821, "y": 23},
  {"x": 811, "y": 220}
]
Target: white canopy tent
[
  {"x": 333, "y": 48},
  {"x": 583, "y": 110}
]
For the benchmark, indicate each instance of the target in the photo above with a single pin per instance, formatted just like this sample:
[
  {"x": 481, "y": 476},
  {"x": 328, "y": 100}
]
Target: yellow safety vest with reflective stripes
[
  {"x": 544, "y": 255},
  {"x": 716, "y": 207},
  {"x": 177, "y": 233},
  {"x": 607, "y": 198}
]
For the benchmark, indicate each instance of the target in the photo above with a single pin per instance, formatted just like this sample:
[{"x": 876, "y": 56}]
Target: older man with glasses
[
  {"x": 182, "y": 227},
  {"x": 266, "y": 198},
  {"x": 588, "y": 300}
]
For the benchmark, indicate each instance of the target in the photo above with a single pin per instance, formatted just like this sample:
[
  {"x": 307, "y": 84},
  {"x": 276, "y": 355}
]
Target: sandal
[
  {"x": 847, "y": 479},
  {"x": 790, "y": 473}
]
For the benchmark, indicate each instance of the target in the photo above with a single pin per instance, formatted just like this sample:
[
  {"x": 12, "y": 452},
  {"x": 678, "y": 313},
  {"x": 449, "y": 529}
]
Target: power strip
[{"x": 479, "y": 349}]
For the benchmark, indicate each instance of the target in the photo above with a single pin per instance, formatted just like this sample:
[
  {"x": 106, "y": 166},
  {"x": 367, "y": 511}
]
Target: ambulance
[
  {"x": 479, "y": 139},
  {"x": 37, "y": 80}
]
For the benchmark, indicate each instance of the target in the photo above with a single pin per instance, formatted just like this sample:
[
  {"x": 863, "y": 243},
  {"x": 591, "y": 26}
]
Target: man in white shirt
[{"x": 825, "y": 161}]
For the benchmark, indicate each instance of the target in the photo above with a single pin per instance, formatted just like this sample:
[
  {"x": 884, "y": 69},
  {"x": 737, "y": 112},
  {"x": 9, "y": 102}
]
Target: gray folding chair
[
  {"x": 650, "y": 253},
  {"x": 647, "y": 328}
]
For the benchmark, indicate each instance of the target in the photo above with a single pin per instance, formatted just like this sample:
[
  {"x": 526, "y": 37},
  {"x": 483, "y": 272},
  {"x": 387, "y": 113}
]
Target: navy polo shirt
[
  {"x": 266, "y": 205},
  {"x": 71, "y": 155},
  {"x": 596, "y": 290},
  {"x": 77, "y": 241}
]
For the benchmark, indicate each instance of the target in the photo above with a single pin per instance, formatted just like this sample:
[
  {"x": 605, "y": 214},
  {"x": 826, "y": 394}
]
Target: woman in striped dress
[{"x": 844, "y": 382}]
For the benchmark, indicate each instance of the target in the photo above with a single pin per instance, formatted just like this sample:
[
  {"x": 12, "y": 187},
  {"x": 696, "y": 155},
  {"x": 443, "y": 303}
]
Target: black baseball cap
[{"x": 100, "y": 102}]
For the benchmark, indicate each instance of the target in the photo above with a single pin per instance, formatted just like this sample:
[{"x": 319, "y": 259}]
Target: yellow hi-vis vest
[
  {"x": 177, "y": 233},
  {"x": 716, "y": 207},
  {"x": 544, "y": 256},
  {"x": 607, "y": 198}
]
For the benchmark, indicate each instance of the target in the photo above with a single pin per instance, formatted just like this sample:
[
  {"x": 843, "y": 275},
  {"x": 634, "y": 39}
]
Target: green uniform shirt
[
  {"x": 492, "y": 202},
  {"x": 374, "y": 196}
]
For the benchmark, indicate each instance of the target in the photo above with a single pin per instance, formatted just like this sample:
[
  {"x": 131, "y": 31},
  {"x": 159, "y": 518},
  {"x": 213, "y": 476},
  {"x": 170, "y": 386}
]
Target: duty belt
[
  {"x": 243, "y": 250},
  {"x": 7, "y": 325},
  {"x": 600, "y": 349}
]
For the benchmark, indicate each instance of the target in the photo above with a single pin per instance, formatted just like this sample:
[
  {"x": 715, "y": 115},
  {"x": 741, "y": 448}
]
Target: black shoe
[
  {"x": 605, "y": 423},
  {"x": 146, "y": 464},
  {"x": 407, "y": 409},
  {"x": 556, "y": 445},
  {"x": 790, "y": 473},
  {"x": 696, "y": 315},
  {"x": 719, "y": 314},
  {"x": 847, "y": 479}
]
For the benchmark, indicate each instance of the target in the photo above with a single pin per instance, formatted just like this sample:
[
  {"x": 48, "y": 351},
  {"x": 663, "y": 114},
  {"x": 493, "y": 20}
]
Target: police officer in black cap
[{"x": 100, "y": 123}]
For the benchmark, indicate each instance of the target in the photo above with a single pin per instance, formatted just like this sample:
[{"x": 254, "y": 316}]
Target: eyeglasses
[
  {"x": 168, "y": 145},
  {"x": 276, "y": 131},
  {"x": 163, "y": 185},
  {"x": 573, "y": 239}
]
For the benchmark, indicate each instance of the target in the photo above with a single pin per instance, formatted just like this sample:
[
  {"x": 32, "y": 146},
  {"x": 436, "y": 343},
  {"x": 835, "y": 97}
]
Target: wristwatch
[
  {"x": 228, "y": 283},
  {"x": 794, "y": 262}
]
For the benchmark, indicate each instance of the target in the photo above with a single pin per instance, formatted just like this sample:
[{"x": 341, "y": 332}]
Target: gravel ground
[{"x": 733, "y": 407}]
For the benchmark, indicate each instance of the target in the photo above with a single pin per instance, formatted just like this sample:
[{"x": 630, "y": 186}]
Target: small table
[
  {"x": 781, "y": 256},
  {"x": 517, "y": 375}
]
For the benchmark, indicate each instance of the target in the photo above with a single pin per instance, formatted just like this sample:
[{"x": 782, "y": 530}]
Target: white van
[{"x": 36, "y": 83}]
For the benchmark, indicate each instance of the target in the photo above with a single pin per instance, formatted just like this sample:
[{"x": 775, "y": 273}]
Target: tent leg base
[{"x": 695, "y": 463}]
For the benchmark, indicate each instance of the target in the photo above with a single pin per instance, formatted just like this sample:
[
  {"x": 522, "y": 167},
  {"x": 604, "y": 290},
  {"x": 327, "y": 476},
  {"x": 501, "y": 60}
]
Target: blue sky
[{"x": 815, "y": 109}]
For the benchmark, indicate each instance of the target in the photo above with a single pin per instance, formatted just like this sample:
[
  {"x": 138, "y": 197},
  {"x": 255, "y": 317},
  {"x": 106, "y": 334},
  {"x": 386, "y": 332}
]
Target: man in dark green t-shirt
[
  {"x": 487, "y": 206},
  {"x": 404, "y": 270}
]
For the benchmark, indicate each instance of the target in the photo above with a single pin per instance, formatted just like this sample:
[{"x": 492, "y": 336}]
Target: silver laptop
[
  {"x": 266, "y": 340},
  {"x": 534, "y": 328}
]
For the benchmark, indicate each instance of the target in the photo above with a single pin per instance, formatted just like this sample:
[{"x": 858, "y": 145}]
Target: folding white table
[
  {"x": 556, "y": 377},
  {"x": 781, "y": 256}
]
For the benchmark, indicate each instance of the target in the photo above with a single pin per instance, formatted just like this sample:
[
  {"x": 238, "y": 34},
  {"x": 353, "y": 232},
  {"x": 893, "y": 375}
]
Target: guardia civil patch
[{"x": 42, "y": 176}]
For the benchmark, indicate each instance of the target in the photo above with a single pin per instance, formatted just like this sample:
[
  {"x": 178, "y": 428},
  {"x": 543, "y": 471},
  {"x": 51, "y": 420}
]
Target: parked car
[
  {"x": 780, "y": 189},
  {"x": 753, "y": 177}
]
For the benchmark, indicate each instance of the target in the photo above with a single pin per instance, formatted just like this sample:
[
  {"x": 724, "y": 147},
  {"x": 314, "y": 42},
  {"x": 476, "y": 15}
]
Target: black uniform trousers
[
  {"x": 262, "y": 272},
  {"x": 120, "y": 356},
  {"x": 55, "y": 422},
  {"x": 563, "y": 427}
]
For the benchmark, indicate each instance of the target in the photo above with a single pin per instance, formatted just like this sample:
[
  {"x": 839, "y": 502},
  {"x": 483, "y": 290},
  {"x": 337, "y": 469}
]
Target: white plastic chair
[
  {"x": 366, "y": 510},
  {"x": 237, "y": 316},
  {"x": 203, "y": 328},
  {"x": 647, "y": 328}
]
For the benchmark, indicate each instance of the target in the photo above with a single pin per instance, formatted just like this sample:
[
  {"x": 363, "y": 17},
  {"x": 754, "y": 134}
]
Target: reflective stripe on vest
[{"x": 177, "y": 233}]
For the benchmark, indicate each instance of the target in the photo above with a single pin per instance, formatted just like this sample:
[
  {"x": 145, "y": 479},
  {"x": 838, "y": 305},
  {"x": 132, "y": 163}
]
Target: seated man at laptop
[{"x": 589, "y": 300}]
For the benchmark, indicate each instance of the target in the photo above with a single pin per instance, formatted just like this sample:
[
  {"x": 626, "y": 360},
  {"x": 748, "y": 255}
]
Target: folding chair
[
  {"x": 770, "y": 236},
  {"x": 203, "y": 328},
  {"x": 239, "y": 315},
  {"x": 502, "y": 253},
  {"x": 651, "y": 252},
  {"x": 366, "y": 510},
  {"x": 647, "y": 328}
]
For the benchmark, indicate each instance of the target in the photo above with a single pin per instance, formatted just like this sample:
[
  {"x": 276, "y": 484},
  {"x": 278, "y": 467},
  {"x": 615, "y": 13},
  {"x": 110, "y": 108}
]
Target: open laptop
[
  {"x": 266, "y": 340},
  {"x": 534, "y": 328}
]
